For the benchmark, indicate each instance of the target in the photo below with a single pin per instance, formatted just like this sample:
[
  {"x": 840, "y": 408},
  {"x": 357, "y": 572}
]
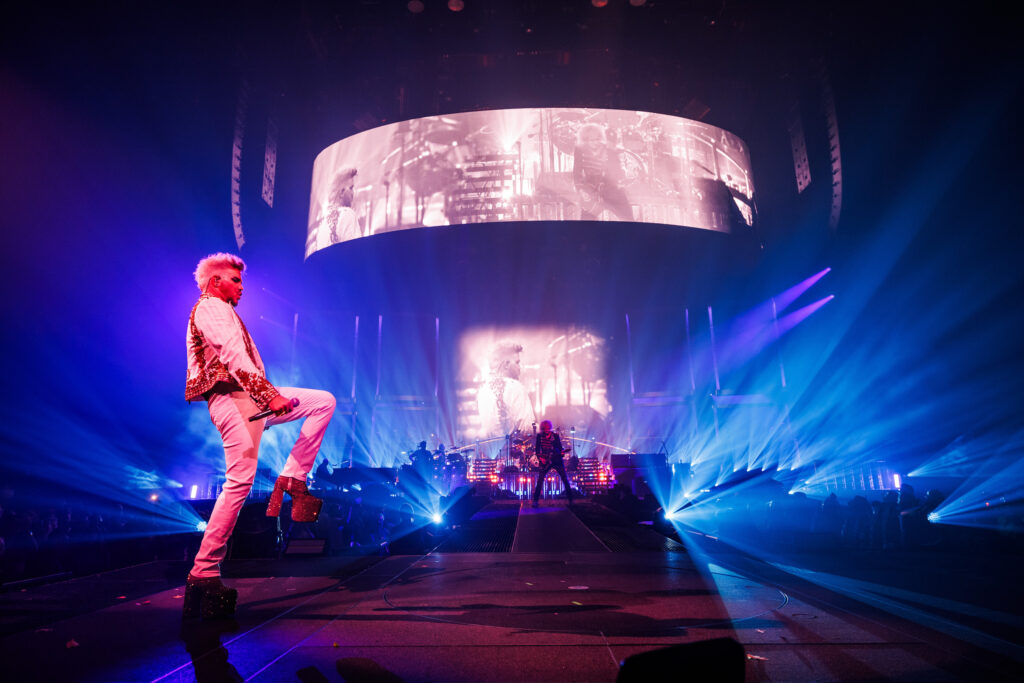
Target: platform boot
[
  {"x": 208, "y": 598},
  {"x": 305, "y": 507}
]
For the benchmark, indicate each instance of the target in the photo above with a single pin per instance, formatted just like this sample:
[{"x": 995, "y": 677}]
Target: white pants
[{"x": 230, "y": 413}]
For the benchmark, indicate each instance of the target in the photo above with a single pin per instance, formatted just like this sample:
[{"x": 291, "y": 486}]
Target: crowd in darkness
[
  {"x": 68, "y": 534},
  {"x": 899, "y": 519},
  {"x": 78, "y": 536},
  {"x": 771, "y": 515},
  {"x": 74, "y": 536}
]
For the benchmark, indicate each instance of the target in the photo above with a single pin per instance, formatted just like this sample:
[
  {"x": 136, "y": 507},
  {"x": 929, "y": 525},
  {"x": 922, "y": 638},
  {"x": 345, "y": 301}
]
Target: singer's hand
[{"x": 280, "y": 405}]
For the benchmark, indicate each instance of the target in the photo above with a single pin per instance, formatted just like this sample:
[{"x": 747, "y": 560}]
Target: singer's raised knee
[{"x": 326, "y": 401}]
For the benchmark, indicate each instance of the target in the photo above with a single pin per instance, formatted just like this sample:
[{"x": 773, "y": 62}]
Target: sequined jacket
[
  {"x": 221, "y": 350},
  {"x": 549, "y": 447}
]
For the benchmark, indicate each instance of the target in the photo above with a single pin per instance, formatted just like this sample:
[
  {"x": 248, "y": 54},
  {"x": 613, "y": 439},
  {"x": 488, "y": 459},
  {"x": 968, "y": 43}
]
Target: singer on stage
[{"x": 225, "y": 370}]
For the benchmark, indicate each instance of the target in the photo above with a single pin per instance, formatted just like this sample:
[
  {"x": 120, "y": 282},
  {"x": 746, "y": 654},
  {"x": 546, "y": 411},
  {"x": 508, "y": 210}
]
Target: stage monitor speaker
[
  {"x": 649, "y": 460},
  {"x": 255, "y": 535},
  {"x": 306, "y": 546},
  {"x": 721, "y": 660},
  {"x": 622, "y": 461},
  {"x": 461, "y": 505},
  {"x": 639, "y": 460},
  {"x": 203, "y": 507}
]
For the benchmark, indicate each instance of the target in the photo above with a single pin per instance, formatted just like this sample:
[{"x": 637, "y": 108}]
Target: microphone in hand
[{"x": 267, "y": 413}]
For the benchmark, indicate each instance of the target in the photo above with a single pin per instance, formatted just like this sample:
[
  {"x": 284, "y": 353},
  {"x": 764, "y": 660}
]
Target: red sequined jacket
[{"x": 221, "y": 350}]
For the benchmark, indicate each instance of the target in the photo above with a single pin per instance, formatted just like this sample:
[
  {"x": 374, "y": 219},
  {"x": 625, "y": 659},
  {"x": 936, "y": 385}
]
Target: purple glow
[
  {"x": 754, "y": 330},
  {"x": 798, "y": 316},
  {"x": 786, "y": 298},
  {"x": 760, "y": 314}
]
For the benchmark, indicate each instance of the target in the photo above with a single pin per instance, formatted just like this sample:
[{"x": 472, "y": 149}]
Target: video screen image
[
  {"x": 531, "y": 165},
  {"x": 510, "y": 378}
]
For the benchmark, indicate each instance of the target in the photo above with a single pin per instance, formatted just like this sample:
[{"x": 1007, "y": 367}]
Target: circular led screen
[{"x": 530, "y": 165}]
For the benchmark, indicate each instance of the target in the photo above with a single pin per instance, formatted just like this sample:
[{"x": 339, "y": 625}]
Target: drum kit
[
  {"x": 520, "y": 452},
  {"x": 452, "y": 462},
  {"x": 637, "y": 139},
  {"x": 517, "y": 454},
  {"x": 428, "y": 157}
]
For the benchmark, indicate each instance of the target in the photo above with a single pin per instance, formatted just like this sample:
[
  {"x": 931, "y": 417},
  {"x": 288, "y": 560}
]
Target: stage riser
[{"x": 521, "y": 484}]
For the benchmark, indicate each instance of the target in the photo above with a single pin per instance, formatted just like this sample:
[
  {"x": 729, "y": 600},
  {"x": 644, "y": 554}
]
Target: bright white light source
[
  {"x": 194, "y": 491},
  {"x": 437, "y": 518},
  {"x": 933, "y": 517},
  {"x": 897, "y": 481},
  {"x": 201, "y": 526}
]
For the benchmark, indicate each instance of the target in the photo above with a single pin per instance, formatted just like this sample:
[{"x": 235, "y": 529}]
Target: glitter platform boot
[
  {"x": 208, "y": 598},
  {"x": 305, "y": 507}
]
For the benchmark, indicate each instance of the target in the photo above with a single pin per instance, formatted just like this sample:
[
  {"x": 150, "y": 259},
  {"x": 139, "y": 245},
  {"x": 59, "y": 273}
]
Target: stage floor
[{"x": 566, "y": 603}]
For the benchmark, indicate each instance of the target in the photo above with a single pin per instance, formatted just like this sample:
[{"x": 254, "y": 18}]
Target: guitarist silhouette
[{"x": 549, "y": 451}]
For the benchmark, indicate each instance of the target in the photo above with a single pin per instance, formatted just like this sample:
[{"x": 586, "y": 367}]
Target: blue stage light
[
  {"x": 437, "y": 518},
  {"x": 201, "y": 526}
]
